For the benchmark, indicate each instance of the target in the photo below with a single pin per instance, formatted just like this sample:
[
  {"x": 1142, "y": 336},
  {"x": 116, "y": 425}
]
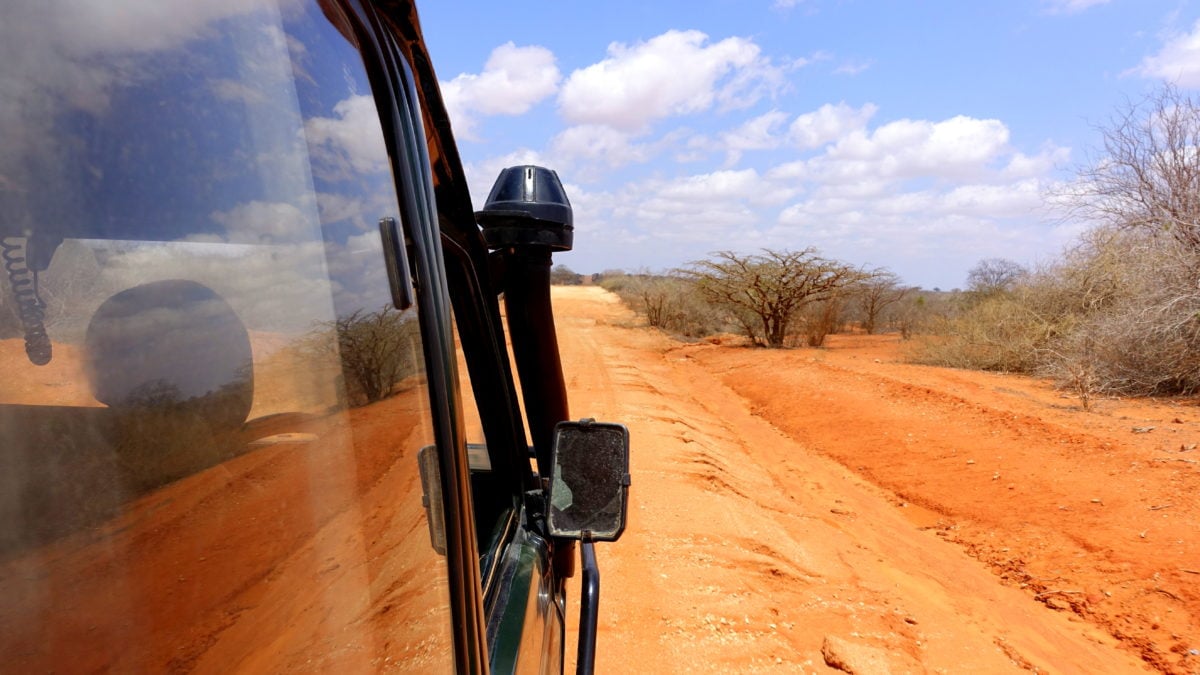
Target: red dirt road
[{"x": 837, "y": 509}]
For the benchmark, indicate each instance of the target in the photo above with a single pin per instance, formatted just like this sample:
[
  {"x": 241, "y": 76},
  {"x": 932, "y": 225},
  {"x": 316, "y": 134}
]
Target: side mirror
[{"x": 589, "y": 483}]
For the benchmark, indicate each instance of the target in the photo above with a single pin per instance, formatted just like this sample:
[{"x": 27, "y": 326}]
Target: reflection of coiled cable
[{"x": 30, "y": 307}]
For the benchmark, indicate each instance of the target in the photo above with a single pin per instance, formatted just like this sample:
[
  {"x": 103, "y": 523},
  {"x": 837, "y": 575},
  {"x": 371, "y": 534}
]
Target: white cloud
[
  {"x": 273, "y": 288},
  {"x": 992, "y": 201},
  {"x": 759, "y": 133},
  {"x": 362, "y": 208},
  {"x": 691, "y": 214},
  {"x": 351, "y": 140},
  {"x": 334, "y": 207},
  {"x": 1070, "y": 6},
  {"x": 905, "y": 148},
  {"x": 853, "y": 67},
  {"x": 815, "y": 57},
  {"x": 935, "y": 194},
  {"x": 828, "y": 123},
  {"x": 513, "y": 80},
  {"x": 232, "y": 90},
  {"x": 258, "y": 222},
  {"x": 1178, "y": 61},
  {"x": 771, "y": 131},
  {"x": 589, "y": 148},
  {"x": 1026, "y": 166},
  {"x": 676, "y": 73},
  {"x": 706, "y": 190},
  {"x": 98, "y": 27}
]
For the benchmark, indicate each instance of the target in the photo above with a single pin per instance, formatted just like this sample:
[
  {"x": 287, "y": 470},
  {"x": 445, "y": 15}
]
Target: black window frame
[
  {"x": 394, "y": 87},
  {"x": 454, "y": 271}
]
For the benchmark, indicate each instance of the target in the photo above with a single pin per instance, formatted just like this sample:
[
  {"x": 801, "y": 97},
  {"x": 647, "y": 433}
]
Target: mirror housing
[{"x": 589, "y": 481}]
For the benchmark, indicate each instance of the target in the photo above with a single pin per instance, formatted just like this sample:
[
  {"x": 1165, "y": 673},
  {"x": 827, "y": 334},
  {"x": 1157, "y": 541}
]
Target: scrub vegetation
[
  {"x": 1118, "y": 313},
  {"x": 376, "y": 351},
  {"x": 773, "y": 298}
]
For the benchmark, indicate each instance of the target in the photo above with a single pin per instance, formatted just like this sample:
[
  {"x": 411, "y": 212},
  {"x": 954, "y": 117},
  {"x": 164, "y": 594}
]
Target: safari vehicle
[{"x": 257, "y": 411}]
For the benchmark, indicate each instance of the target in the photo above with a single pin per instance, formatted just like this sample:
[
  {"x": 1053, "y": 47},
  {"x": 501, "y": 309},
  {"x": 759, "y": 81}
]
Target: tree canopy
[{"x": 764, "y": 292}]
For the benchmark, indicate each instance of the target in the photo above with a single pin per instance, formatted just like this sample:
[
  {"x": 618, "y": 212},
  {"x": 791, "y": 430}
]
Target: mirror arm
[{"x": 589, "y": 609}]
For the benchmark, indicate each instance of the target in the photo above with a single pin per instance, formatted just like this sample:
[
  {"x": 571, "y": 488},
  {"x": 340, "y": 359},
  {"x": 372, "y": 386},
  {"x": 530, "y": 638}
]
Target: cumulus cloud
[
  {"x": 596, "y": 144},
  {"x": 257, "y": 222},
  {"x": 828, "y": 123},
  {"x": 1026, "y": 166},
  {"x": 349, "y": 141},
  {"x": 904, "y": 148},
  {"x": 773, "y": 131},
  {"x": 928, "y": 192},
  {"x": 1178, "y": 61},
  {"x": 692, "y": 214},
  {"x": 705, "y": 190},
  {"x": 676, "y": 73},
  {"x": 232, "y": 90},
  {"x": 760, "y": 133},
  {"x": 933, "y": 192},
  {"x": 513, "y": 80},
  {"x": 992, "y": 201},
  {"x": 271, "y": 288},
  {"x": 80, "y": 49},
  {"x": 361, "y": 208}
]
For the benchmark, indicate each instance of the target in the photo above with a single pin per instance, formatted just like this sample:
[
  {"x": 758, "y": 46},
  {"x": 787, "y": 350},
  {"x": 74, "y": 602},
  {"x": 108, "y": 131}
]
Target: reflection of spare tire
[{"x": 171, "y": 346}]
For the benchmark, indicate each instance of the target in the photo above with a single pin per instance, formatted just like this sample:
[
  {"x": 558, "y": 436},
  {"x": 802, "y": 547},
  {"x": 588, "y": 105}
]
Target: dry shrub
[
  {"x": 1119, "y": 315},
  {"x": 821, "y": 319},
  {"x": 1145, "y": 338},
  {"x": 669, "y": 303},
  {"x": 922, "y": 313},
  {"x": 377, "y": 351},
  {"x": 1003, "y": 332}
]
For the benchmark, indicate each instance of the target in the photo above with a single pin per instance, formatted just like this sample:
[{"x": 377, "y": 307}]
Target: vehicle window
[
  {"x": 472, "y": 422},
  {"x": 210, "y": 413}
]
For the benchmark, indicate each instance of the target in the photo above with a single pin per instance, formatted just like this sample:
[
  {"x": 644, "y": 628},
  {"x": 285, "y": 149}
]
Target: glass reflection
[{"x": 214, "y": 466}]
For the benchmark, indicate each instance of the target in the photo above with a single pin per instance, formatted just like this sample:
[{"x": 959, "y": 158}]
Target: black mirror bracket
[{"x": 589, "y": 610}]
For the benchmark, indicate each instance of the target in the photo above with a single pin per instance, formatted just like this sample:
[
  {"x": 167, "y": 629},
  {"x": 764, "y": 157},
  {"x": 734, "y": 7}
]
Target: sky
[{"x": 921, "y": 137}]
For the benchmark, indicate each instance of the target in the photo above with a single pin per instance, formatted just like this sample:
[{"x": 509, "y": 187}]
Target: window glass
[
  {"x": 472, "y": 423},
  {"x": 210, "y": 416}
]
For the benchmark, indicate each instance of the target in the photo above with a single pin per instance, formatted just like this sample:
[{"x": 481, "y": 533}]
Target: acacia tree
[
  {"x": 766, "y": 291},
  {"x": 561, "y": 275},
  {"x": 991, "y": 276},
  {"x": 876, "y": 293}
]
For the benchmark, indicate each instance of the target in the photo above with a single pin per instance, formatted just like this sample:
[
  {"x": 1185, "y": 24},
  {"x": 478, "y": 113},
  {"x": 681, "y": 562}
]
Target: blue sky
[{"x": 917, "y": 136}]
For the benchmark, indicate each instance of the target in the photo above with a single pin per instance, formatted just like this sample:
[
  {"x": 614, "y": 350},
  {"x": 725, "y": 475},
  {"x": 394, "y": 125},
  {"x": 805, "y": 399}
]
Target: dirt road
[{"x": 822, "y": 510}]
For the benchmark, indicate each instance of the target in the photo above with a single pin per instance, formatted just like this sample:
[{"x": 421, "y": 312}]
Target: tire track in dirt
[
  {"x": 1070, "y": 510},
  {"x": 745, "y": 552}
]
